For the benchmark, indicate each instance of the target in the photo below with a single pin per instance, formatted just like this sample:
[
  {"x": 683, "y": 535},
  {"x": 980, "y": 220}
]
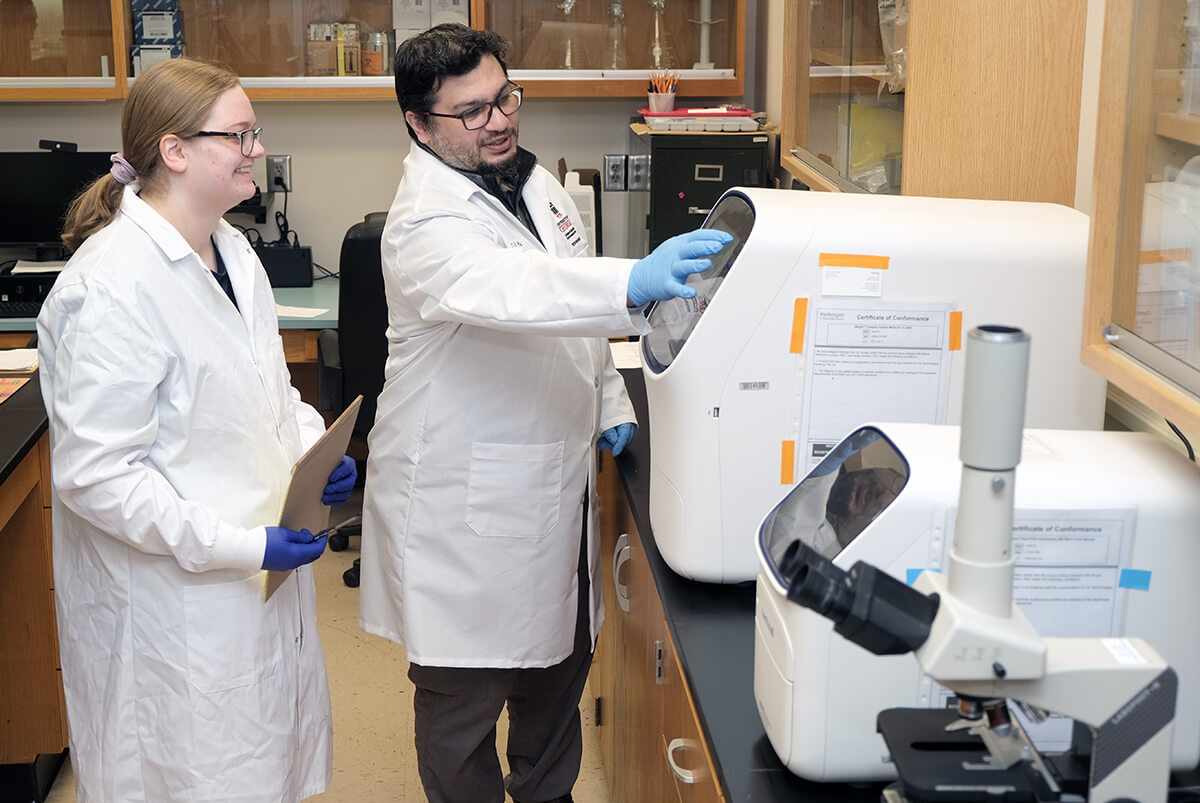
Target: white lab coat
[
  {"x": 173, "y": 429},
  {"x": 498, "y": 382}
]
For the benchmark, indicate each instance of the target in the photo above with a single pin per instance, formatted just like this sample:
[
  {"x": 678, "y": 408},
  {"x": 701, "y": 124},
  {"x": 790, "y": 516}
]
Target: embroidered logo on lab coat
[{"x": 565, "y": 227}]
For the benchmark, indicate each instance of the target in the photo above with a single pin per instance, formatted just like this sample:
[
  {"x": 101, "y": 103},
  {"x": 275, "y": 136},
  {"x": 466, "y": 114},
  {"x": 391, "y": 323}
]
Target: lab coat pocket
[
  {"x": 233, "y": 637},
  {"x": 514, "y": 490}
]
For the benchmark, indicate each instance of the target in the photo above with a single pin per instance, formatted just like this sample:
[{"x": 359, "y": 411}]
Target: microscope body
[{"x": 983, "y": 648}]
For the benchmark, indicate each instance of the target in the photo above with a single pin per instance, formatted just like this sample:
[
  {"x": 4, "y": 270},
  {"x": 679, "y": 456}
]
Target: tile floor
[{"x": 373, "y": 756}]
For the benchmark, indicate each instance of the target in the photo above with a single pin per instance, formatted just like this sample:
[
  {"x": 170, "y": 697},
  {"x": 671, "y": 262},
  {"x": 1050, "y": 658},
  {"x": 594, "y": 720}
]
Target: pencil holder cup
[{"x": 661, "y": 101}]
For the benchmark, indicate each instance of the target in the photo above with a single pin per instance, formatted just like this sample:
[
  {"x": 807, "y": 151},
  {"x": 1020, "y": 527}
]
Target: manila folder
[{"x": 303, "y": 509}]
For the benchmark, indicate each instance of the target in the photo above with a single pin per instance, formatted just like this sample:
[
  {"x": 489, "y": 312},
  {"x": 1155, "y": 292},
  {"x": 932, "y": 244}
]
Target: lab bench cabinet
[
  {"x": 33, "y": 715},
  {"x": 953, "y": 99},
  {"x": 688, "y": 172},
  {"x": 650, "y": 738},
  {"x": 82, "y": 49}
]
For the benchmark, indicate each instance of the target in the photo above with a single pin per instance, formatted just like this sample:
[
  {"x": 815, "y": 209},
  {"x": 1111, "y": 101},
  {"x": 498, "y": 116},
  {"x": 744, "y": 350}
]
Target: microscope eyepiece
[{"x": 869, "y": 607}]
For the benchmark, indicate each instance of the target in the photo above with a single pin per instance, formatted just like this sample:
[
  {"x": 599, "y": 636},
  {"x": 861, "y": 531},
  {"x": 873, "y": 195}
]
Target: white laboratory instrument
[
  {"x": 829, "y": 310},
  {"x": 1104, "y": 531},
  {"x": 965, "y": 628}
]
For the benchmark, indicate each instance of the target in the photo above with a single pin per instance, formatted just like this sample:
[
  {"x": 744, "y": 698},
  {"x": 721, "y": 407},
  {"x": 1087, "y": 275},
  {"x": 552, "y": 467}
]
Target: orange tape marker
[
  {"x": 787, "y": 463},
  {"x": 799, "y": 317},
  {"x": 956, "y": 330},
  {"x": 853, "y": 261}
]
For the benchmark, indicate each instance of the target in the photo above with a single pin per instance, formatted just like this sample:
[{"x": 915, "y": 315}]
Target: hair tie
[{"x": 122, "y": 170}]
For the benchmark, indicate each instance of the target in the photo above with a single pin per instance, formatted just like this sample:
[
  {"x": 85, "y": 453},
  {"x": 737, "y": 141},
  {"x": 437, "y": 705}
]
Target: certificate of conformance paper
[
  {"x": 10, "y": 385},
  {"x": 303, "y": 508}
]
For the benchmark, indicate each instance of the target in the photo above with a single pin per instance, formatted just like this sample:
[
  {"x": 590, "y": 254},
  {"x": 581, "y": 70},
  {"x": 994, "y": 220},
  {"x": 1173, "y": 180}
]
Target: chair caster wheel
[
  {"x": 350, "y": 576},
  {"x": 338, "y": 541}
]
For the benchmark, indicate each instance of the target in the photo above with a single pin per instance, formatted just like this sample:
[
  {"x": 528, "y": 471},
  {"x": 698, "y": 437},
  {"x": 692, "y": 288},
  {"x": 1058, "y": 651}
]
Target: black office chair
[{"x": 351, "y": 358}]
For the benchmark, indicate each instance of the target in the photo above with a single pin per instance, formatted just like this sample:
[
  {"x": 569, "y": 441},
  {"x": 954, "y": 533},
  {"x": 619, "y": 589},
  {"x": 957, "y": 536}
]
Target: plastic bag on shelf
[{"x": 893, "y": 32}]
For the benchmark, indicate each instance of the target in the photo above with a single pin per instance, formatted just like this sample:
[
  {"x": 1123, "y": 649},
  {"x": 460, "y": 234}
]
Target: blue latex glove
[
  {"x": 287, "y": 549},
  {"x": 661, "y": 275},
  {"x": 340, "y": 483},
  {"x": 617, "y": 438}
]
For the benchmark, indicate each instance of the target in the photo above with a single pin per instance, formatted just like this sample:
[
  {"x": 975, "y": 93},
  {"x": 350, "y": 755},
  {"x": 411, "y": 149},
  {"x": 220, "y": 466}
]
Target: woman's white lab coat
[
  {"x": 498, "y": 382},
  {"x": 173, "y": 429}
]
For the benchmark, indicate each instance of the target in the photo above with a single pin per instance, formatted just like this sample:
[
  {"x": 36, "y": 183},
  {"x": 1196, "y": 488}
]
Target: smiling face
[
  {"x": 219, "y": 173},
  {"x": 488, "y": 150}
]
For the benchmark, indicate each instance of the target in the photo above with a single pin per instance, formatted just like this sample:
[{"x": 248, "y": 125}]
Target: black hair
[{"x": 449, "y": 49}]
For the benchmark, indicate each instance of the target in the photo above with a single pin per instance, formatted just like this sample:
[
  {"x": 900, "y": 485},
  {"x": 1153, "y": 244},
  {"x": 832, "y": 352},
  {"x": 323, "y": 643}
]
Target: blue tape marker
[
  {"x": 911, "y": 575},
  {"x": 1137, "y": 579}
]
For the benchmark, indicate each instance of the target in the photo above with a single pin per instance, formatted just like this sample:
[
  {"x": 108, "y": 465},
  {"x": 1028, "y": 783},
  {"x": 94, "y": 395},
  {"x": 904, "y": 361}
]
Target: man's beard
[{"x": 505, "y": 171}]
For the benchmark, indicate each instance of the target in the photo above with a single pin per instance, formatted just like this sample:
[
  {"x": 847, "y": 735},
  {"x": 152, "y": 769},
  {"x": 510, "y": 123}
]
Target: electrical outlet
[
  {"x": 614, "y": 172},
  {"x": 639, "y": 172},
  {"x": 279, "y": 174}
]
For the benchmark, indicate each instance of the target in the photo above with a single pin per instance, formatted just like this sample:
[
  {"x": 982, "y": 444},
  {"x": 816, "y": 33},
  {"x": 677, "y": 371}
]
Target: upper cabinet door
[
  {"x": 59, "y": 49},
  {"x": 934, "y": 97},
  {"x": 608, "y": 48},
  {"x": 843, "y": 105},
  {"x": 1142, "y": 321},
  {"x": 63, "y": 49}
]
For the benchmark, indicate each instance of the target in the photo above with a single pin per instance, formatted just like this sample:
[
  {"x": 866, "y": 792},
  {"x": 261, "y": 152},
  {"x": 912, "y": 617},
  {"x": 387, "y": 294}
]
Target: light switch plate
[{"x": 639, "y": 172}]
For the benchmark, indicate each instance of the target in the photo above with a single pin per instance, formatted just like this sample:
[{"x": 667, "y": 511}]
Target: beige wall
[{"x": 347, "y": 155}]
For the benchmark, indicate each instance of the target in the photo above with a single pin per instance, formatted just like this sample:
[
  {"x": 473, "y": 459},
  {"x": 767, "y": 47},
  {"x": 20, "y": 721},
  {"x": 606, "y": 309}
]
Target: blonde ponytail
[{"x": 92, "y": 210}]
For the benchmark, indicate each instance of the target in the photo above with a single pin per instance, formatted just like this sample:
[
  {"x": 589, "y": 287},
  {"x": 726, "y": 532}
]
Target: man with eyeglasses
[{"x": 479, "y": 548}]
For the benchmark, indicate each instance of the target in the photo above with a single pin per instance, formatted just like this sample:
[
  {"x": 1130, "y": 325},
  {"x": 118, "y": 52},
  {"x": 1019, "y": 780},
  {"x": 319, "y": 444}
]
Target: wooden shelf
[
  {"x": 1181, "y": 127},
  {"x": 858, "y": 58}
]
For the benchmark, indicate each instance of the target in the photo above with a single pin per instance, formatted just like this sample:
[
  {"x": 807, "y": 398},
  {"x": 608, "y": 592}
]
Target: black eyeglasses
[
  {"x": 246, "y": 139},
  {"x": 477, "y": 117}
]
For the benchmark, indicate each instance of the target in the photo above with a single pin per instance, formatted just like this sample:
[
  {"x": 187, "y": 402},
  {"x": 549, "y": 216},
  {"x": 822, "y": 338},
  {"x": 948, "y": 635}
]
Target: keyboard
[{"x": 20, "y": 309}]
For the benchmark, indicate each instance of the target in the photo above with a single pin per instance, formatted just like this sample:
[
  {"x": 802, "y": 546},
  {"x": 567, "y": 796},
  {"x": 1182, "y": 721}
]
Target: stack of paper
[{"x": 18, "y": 360}]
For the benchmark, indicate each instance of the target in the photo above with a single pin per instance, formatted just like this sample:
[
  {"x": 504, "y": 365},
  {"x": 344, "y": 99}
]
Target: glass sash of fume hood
[{"x": 672, "y": 321}]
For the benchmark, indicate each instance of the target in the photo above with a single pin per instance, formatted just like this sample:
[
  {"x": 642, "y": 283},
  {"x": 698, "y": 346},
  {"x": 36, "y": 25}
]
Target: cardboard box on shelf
[
  {"x": 411, "y": 14},
  {"x": 449, "y": 11},
  {"x": 406, "y": 33},
  {"x": 333, "y": 48},
  {"x": 322, "y": 58},
  {"x": 138, "y": 6},
  {"x": 158, "y": 28},
  {"x": 145, "y": 56}
]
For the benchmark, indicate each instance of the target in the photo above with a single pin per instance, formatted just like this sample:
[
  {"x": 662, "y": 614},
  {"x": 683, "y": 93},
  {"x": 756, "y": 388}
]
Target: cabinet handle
[
  {"x": 695, "y": 210},
  {"x": 686, "y": 776},
  {"x": 621, "y": 555}
]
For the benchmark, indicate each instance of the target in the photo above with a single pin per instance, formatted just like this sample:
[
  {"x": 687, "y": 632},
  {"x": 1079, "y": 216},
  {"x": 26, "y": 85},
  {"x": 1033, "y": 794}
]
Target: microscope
[{"x": 968, "y": 635}]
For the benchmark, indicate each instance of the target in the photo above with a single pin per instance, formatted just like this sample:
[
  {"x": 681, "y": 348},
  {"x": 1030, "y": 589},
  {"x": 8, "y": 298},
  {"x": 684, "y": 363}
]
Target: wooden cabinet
[
  {"x": 1143, "y": 290},
  {"x": 63, "y": 50},
  {"x": 989, "y": 106},
  {"x": 559, "y": 48},
  {"x": 692, "y": 775},
  {"x": 647, "y": 722},
  {"x": 33, "y": 721}
]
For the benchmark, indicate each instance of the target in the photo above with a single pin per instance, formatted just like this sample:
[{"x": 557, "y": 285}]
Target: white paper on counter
[
  {"x": 18, "y": 360},
  {"x": 298, "y": 312}
]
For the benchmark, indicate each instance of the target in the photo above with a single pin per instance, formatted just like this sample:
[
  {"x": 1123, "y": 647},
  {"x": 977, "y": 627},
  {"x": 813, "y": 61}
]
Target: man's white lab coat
[
  {"x": 174, "y": 428},
  {"x": 499, "y": 380}
]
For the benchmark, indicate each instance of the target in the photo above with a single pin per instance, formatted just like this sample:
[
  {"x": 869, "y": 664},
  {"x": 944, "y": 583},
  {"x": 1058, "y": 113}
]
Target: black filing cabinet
[{"x": 688, "y": 173}]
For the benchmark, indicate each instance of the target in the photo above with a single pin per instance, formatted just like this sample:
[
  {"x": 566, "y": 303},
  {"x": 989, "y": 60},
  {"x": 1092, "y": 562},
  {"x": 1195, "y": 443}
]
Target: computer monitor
[{"x": 38, "y": 188}]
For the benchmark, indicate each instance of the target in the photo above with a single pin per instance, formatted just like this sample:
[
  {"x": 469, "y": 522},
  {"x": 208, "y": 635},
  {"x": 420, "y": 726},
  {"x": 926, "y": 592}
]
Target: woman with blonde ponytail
[{"x": 174, "y": 427}]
